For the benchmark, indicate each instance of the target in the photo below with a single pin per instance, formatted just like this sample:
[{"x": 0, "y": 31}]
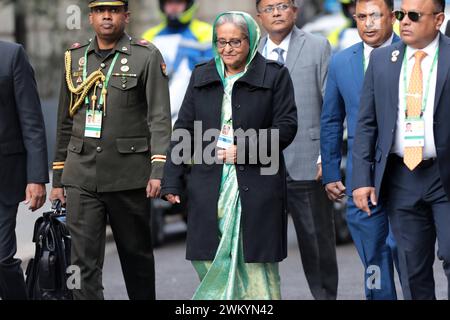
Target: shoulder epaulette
[{"x": 78, "y": 45}]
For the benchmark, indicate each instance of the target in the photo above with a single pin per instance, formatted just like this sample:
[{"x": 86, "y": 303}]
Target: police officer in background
[
  {"x": 110, "y": 166},
  {"x": 346, "y": 35},
  {"x": 184, "y": 42}
]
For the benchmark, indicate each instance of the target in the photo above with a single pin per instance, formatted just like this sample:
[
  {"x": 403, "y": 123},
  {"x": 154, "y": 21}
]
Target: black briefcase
[{"x": 47, "y": 272}]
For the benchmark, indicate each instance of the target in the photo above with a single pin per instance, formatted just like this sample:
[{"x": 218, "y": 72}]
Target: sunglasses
[{"x": 412, "y": 15}]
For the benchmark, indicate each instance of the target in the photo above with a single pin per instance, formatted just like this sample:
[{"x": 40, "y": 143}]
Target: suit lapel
[
  {"x": 443, "y": 68},
  {"x": 262, "y": 45},
  {"x": 295, "y": 47},
  {"x": 356, "y": 61},
  {"x": 395, "y": 65}
]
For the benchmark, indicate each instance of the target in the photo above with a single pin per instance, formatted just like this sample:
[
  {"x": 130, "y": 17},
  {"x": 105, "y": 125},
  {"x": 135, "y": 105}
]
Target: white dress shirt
[
  {"x": 429, "y": 150},
  {"x": 368, "y": 50},
  {"x": 270, "y": 46}
]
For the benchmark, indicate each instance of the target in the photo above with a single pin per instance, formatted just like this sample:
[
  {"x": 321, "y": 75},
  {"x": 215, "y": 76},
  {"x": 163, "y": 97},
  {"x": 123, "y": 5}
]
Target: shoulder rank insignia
[
  {"x": 164, "y": 69},
  {"x": 143, "y": 42},
  {"x": 76, "y": 45}
]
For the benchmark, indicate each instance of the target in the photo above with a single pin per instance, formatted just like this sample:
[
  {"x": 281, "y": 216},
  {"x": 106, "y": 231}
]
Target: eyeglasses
[
  {"x": 234, "y": 43},
  {"x": 280, "y": 7},
  {"x": 375, "y": 16},
  {"x": 412, "y": 15}
]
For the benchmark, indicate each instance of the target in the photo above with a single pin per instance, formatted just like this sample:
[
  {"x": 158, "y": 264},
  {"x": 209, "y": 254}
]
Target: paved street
[{"x": 176, "y": 279}]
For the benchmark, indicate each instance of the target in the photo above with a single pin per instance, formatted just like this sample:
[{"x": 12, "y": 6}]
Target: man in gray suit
[{"x": 306, "y": 57}]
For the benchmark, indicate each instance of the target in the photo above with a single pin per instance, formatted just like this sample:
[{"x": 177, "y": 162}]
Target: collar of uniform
[{"x": 124, "y": 45}]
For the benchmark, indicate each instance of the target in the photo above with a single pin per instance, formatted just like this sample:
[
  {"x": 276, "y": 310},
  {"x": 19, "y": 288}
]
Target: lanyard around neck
[
  {"x": 108, "y": 76},
  {"x": 405, "y": 84}
]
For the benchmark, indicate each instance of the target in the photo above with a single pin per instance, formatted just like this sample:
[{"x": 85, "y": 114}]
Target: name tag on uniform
[
  {"x": 226, "y": 138},
  {"x": 414, "y": 133},
  {"x": 93, "y": 128}
]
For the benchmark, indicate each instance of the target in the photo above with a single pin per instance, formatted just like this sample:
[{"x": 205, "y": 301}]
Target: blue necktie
[{"x": 280, "y": 52}]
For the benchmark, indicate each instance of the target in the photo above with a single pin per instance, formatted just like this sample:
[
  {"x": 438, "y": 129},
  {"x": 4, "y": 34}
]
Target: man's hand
[
  {"x": 35, "y": 196},
  {"x": 229, "y": 155},
  {"x": 319, "y": 172},
  {"x": 57, "y": 194},
  {"x": 154, "y": 188},
  {"x": 173, "y": 199},
  {"x": 335, "y": 191},
  {"x": 361, "y": 196}
]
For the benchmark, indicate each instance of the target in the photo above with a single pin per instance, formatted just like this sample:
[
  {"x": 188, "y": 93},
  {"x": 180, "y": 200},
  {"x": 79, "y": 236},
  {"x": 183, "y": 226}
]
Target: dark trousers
[
  {"x": 128, "y": 213},
  {"x": 12, "y": 283},
  {"x": 377, "y": 249},
  {"x": 419, "y": 211},
  {"x": 311, "y": 211}
]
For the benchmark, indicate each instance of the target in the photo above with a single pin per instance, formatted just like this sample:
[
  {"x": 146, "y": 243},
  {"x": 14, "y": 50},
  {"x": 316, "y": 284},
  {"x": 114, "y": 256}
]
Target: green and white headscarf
[{"x": 254, "y": 38}]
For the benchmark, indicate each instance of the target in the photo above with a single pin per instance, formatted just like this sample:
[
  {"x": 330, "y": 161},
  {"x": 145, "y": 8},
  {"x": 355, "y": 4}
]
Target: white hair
[{"x": 236, "y": 19}]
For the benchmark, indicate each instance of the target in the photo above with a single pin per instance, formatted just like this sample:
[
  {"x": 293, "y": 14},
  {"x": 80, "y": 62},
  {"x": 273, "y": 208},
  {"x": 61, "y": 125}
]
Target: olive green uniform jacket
[{"x": 136, "y": 128}]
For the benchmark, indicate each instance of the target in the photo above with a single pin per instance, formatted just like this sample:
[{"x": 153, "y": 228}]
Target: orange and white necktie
[{"x": 413, "y": 156}]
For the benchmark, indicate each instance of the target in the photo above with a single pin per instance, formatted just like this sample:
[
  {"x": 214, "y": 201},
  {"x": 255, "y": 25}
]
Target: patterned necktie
[
  {"x": 280, "y": 52},
  {"x": 413, "y": 156}
]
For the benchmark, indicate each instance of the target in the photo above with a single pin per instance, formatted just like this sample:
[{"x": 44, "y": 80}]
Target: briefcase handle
[{"x": 58, "y": 208}]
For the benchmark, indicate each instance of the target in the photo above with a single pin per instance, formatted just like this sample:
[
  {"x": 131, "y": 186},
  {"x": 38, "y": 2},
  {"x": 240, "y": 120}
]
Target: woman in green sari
[
  {"x": 228, "y": 277},
  {"x": 244, "y": 265}
]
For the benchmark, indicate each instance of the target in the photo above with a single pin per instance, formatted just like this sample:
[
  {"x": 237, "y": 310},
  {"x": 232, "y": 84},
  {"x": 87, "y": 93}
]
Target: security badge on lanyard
[
  {"x": 94, "y": 111},
  {"x": 226, "y": 138},
  {"x": 93, "y": 128},
  {"x": 414, "y": 132}
]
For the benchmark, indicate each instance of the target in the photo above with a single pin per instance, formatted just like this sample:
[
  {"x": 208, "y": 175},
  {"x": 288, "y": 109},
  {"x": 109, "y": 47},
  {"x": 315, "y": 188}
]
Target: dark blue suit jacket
[
  {"x": 23, "y": 148},
  {"x": 342, "y": 97},
  {"x": 378, "y": 116}
]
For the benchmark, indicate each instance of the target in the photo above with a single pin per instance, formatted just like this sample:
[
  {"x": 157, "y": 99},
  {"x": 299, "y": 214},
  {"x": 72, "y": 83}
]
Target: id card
[
  {"x": 414, "y": 133},
  {"x": 226, "y": 138},
  {"x": 93, "y": 128}
]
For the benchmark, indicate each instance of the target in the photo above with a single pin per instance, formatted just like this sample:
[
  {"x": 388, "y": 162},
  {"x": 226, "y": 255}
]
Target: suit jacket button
[
  {"x": 245, "y": 188},
  {"x": 238, "y": 106},
  {"x": 74, "y": 148},
  {"x": 99, "y": 149},
  {"x": 241, "y": 168}
]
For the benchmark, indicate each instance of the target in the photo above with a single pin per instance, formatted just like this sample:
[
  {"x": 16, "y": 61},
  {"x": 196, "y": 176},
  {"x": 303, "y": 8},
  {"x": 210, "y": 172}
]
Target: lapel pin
[{"x": 395, "y": 55}]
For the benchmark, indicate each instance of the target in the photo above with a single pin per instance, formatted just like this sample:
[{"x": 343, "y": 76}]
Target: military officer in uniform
[{"x": 112, "y": 136}]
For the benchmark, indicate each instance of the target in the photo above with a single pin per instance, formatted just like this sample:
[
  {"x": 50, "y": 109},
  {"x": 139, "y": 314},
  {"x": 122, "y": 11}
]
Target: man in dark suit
[
  {"x": 371, "y": 235},
  {"x": 409, "y": 172},
  {"x": 23, "y": 159}
]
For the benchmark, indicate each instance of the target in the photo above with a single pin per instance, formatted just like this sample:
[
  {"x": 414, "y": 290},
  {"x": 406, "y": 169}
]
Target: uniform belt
[{"x": 426, "y": 163}]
